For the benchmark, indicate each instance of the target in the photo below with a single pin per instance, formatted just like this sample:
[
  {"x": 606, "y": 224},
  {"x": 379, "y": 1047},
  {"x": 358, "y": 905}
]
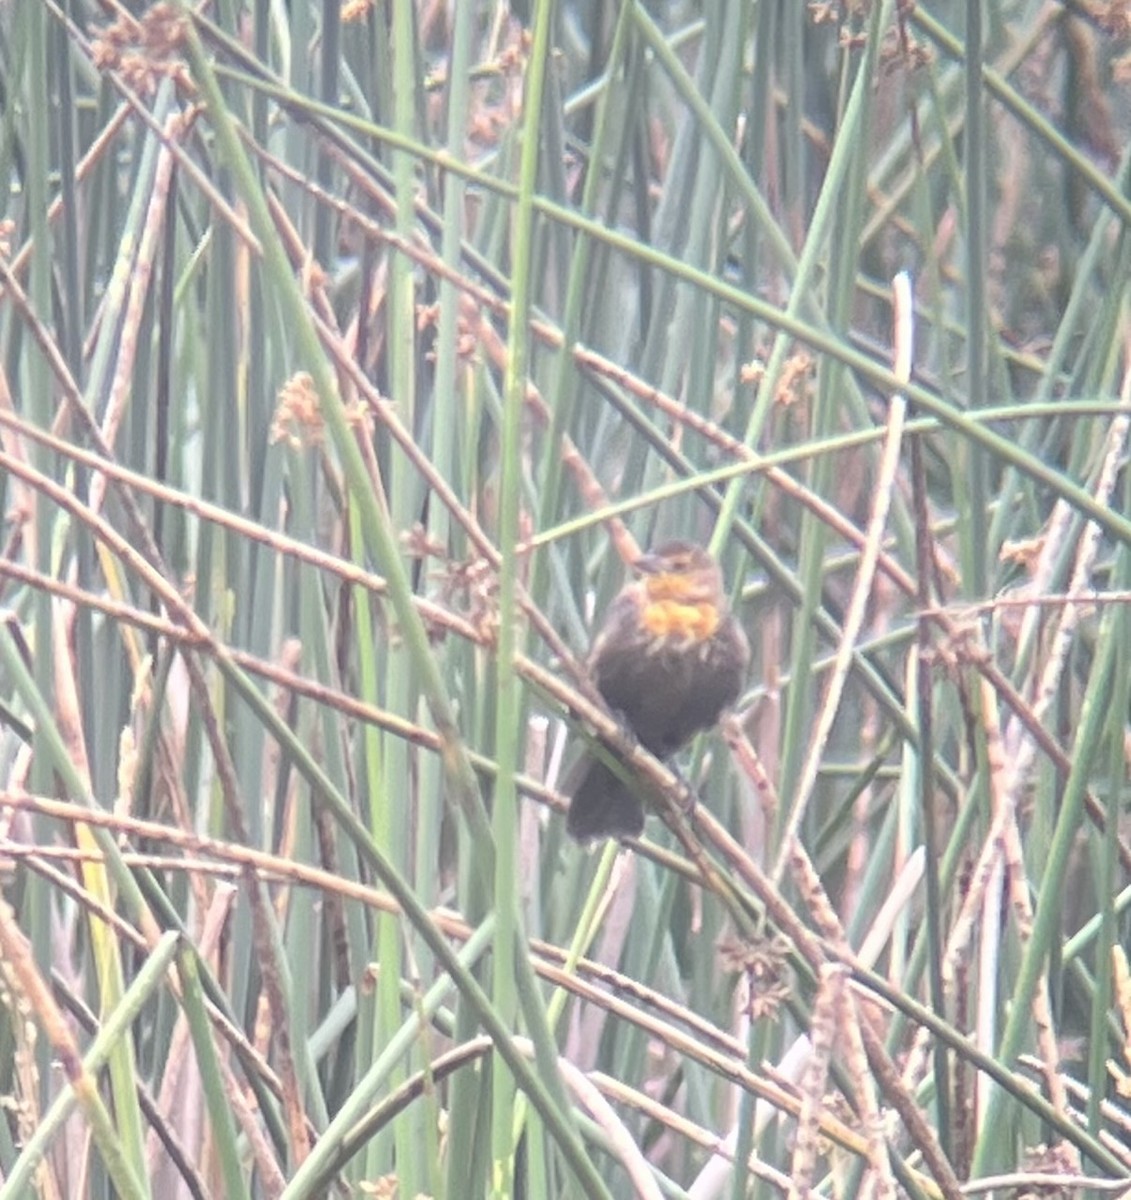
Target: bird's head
[{"x": 680, "y": 573}]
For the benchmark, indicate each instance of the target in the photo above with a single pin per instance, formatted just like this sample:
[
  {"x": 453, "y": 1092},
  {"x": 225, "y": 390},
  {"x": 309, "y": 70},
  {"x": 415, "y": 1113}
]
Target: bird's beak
[{"x": 649, "y": 564}]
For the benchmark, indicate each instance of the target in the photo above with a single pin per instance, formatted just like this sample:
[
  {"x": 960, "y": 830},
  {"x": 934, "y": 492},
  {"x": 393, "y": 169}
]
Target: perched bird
[{"x": 669, "y": 657}]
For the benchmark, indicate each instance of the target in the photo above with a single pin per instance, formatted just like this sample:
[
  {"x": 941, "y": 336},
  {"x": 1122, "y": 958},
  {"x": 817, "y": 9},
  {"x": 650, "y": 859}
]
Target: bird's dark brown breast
[{"x": 671, "y": 688}]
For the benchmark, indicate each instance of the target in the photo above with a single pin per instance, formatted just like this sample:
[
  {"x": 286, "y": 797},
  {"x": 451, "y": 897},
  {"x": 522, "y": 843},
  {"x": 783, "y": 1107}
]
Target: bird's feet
[
  {"x": 688, "y": 797},
  {"x": 627, "y": 732}
]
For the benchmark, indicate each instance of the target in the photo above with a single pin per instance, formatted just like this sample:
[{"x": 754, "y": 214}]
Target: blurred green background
[{"x": 347, "y": 353}]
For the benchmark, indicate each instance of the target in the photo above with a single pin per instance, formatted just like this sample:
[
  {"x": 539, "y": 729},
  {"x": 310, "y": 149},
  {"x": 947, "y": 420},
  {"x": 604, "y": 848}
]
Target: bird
[{"x": 668, "y": 658}]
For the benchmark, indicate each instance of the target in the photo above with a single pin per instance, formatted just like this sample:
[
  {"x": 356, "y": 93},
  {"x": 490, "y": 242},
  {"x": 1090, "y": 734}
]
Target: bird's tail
[{"x": 602, "y": 804}]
